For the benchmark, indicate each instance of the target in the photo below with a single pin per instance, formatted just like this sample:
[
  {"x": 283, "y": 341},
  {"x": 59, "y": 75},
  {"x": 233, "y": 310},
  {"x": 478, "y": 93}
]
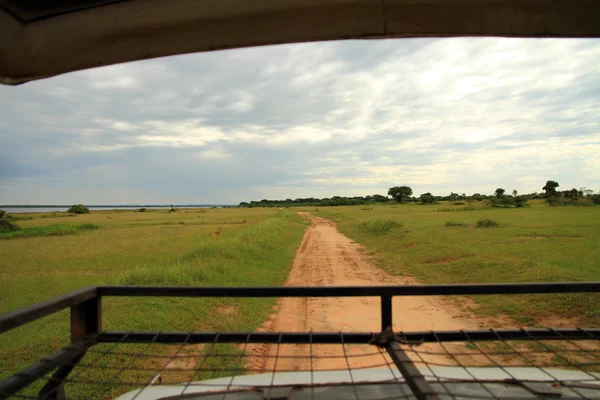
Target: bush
[
  {"x": 378, "y": 226},
  {"x": 487, "y": 223},
  {"x": 452, "y": 223},
  {"x": 596, "y": 198},
  {"x": 2, "y": 213},
  {"x": 557, "y": 201},
  {"x": 79, "y": 209},
  {"x": 7, "y": 226},
  {"x": 142, "y": 209},
  {"x": 50, "y": 230},
  {"x": 86, "y": 227},
  {"x": 459, "y": 203}
]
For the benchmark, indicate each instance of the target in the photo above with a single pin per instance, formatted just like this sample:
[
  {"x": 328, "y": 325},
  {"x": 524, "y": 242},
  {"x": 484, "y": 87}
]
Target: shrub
[
  {"x": 50, "y": 230},
  {"x": 453, "y": 223},
  {"x": 142, "y": 209},
  {"x": 596, "y": 198},
  {"x": 2, "y": 213},
  {"x": 378, "y": 226},
  {"x": 86, "y": 227},
  {"x": 79, "y": 209},
  {"x": 487, "y": 223},
  {"x": 459, "y": 203},
  {"x": 7, "y": 226}
]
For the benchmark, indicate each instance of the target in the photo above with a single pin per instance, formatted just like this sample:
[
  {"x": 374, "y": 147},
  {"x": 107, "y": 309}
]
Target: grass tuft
[
  {"x": 487, "y": 223},
  {"x": 454, "y": 223},
  {"x": 378, "y": 226}
]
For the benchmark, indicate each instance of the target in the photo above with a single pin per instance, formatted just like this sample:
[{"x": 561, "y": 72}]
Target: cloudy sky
[{"x": 315, "y": 119}]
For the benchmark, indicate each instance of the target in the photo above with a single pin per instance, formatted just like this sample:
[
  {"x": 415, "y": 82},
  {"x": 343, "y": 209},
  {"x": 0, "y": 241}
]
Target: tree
[
  {"x": 379, "y": 198},
  {"x": 499, "y": 192},
  {"x": 515, "y": 193},
  {"x": 477, "y": 197},
  {"x": 79, "y": 209},
  {"x": 550, "y": 188},
  {"x": 399, "y": 193},
  {"x": 427, "y": 198}
]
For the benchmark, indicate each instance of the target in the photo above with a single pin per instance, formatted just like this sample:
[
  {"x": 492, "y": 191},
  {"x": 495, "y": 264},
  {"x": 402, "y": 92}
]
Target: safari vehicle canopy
[{"x": 40, "y": 38}]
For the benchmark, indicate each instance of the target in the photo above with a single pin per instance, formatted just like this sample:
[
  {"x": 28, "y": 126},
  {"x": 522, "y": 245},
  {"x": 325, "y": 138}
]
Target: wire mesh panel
[
  {"x": 496, "y": 368},
  {"x": 490, "y": 364}
]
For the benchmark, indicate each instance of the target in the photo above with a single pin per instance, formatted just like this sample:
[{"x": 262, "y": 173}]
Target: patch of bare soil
[{"x": 328, "y": 258}]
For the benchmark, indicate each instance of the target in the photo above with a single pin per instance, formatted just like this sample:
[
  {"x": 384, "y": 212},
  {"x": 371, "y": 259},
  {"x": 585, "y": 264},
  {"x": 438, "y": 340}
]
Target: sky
[{"x": 347, "y": 118}]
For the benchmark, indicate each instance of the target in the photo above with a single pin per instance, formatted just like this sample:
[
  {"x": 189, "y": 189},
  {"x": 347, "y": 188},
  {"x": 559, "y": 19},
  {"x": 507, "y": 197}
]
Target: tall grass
[
  {"x": 50, "y": 230},
  {"x": 456, "y": 224},
  {"x": 252, "y": 254},
  {"x": 378, "y": 227}
]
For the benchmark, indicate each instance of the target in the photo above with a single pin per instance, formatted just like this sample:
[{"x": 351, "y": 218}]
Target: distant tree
[
  {"x": 427, "y": 198},
  {"x": 499, "y": 192},
  {"x": 477, "y": 197},
  {"x": 550, "y": 188},
  {"x": 79, "y": 209},
  {"x": 399, "y": 193},
  {"x": 7, "y": 226},
  {"x": 515, "y": 193},
  {"x": 520, "y": 201},
  {"x": 379, "y": 198},
  {"x": 573, "y": 194},
  {"x": 453, "y": 196},
  {"x": 2, "y": 214}
]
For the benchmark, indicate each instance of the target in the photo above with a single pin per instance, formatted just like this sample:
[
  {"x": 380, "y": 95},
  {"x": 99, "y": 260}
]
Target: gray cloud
[{"x": 316, "y": 119}]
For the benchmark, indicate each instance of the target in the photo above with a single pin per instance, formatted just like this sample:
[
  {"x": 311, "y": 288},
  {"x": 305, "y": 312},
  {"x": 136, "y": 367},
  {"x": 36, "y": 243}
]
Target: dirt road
[{"x": 328, "y": 258}]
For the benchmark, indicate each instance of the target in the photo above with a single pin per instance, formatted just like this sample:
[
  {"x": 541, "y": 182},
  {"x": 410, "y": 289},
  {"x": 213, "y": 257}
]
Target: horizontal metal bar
[
  {"x": 13, "y": 319},
  {"x": 351, "y": 291},
  {"x": 25, "y": 377},
  {"x": 348, "y": 337}
]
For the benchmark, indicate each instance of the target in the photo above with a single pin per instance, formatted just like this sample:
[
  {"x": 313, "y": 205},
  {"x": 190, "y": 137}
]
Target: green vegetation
[
  {"x": 533, "y": 244},
  {"x": 8, "y": 227},
  {"x": 256, "y": 252},
  {"x": 487, "y": 223},
  {"x": 455, "y": 224},
  {"x": 403, "y": 194},
  {"x": 50, "y": 230},
  {"x": 79, "y": 209},
  {"x": 400, "y": 193},
  {"x": 378, "y": 226}
]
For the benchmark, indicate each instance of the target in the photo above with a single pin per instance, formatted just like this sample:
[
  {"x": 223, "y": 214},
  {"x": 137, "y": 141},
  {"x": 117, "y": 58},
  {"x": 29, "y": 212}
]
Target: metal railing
[{"x": 87, "y": 331}]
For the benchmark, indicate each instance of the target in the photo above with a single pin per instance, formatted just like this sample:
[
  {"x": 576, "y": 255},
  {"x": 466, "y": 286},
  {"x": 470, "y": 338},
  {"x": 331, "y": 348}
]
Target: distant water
[{"x": 16, "y": 210}]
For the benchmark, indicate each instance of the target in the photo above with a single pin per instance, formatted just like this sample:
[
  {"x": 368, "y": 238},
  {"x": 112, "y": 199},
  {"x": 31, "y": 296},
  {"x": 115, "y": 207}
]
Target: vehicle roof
[{"x": 39, "y": 38}]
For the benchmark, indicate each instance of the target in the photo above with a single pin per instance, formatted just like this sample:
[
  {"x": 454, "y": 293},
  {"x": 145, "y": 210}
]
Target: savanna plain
[{"x": 439, "y": 243}]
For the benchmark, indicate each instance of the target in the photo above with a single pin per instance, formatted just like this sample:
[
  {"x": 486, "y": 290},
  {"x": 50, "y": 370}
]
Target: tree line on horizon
[{"x": 404, "y": 194}]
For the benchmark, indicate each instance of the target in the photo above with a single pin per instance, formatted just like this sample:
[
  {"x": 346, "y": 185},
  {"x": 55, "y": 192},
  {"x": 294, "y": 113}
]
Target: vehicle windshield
[{"x": 352, "y": 163}]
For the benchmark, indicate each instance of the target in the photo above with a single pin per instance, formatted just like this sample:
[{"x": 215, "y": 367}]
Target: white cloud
[{"x": 318, "y": 119}]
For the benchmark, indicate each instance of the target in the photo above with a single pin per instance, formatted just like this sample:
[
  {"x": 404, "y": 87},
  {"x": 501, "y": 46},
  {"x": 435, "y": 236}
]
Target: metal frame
[{"x": 86, "y": 325}]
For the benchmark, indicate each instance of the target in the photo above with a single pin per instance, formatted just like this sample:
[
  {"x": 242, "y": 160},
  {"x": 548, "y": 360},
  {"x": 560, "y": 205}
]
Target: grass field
[
  {"x": 436, "y": 244},
  {"x": 256, "y": 247},
  {"x": 443, "y": 244}
]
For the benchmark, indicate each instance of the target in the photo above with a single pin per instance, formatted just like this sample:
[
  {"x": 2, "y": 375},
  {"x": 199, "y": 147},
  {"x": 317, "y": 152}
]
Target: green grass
[
  {"x": 534, "y": 244},
  {"x": 257, "y": 252},
  {"x": 50, "y": 230},
  {"x": 378, "y": 227},
  {"x": 451, "y": 224}
]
